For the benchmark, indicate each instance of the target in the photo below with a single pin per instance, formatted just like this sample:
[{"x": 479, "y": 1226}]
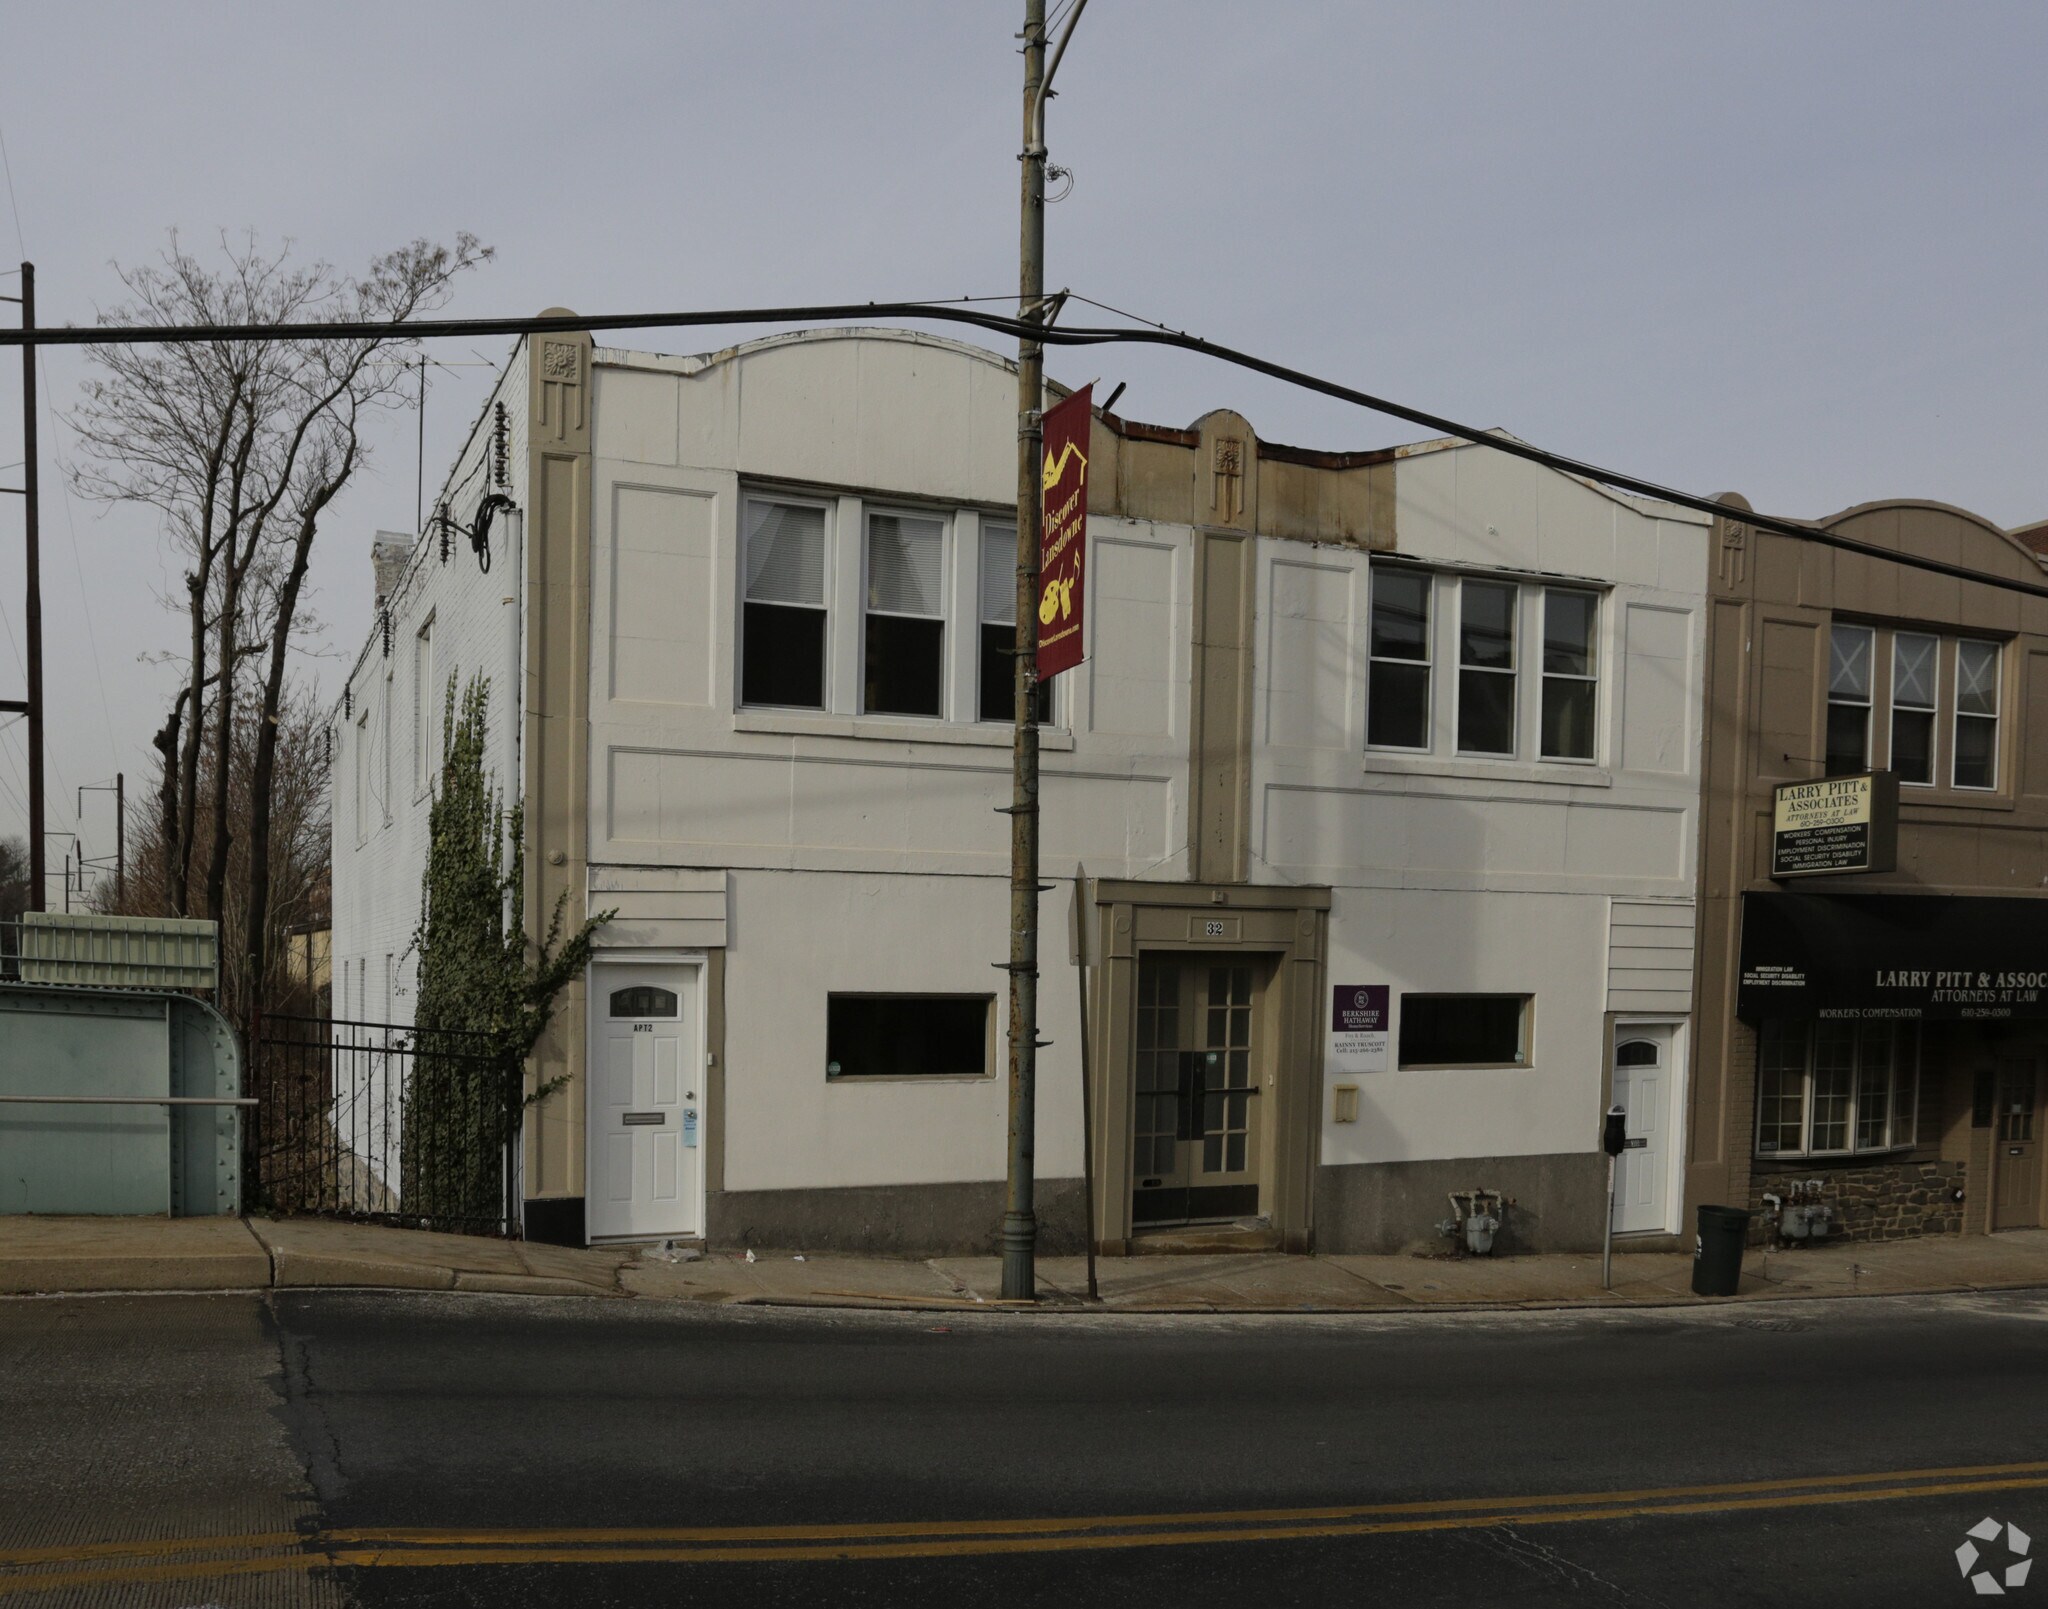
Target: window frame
[
  {"x": 1545, "y": 675},
  {"x": 948, "y": 524},
  {"x": 985, "y": 526},
  {"x": 1525, "y": 1032},
  {"x": 1868, "y": 703},
  {"x": 1995, "y": 719},
  {"x": 1428, "y": 578},
  {"x": 1903, "y": 1081},
  {"x": 1512, "y": 672},
  {"x": 1932, "y": 709},
  {"x": 425, "y": 714},
  {"x": 986, "y": 999},
  {"x": 827, "y": 572}
]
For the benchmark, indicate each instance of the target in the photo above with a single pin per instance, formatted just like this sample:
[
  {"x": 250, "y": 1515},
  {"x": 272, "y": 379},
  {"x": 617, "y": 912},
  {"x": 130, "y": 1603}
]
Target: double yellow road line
[{"x": 46, "y": 1569}]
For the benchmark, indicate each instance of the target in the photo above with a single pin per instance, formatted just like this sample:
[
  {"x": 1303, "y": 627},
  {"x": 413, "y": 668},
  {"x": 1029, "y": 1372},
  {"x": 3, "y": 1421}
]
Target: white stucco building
[{"x": 1422, "y": 720}]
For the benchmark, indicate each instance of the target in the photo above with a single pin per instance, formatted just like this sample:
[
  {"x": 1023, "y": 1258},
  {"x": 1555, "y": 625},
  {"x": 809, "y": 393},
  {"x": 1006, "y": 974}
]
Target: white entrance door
[
  {"x": 1644, "y": 1078},
  {"x": 646, "y": 1168}
]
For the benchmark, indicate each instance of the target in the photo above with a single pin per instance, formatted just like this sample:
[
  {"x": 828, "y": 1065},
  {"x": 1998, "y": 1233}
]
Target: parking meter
[{"x": 1614, "y": 1138}]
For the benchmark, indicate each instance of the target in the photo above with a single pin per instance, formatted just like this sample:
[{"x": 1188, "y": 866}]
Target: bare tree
[{"x": 242, "y": 446}]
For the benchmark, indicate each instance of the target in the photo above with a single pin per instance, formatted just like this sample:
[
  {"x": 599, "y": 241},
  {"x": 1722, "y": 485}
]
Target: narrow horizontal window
[
  {"x": 998, "y": 697},
  {"x": 905, "y": 669},
  {"x": 907, "y": 1035},
  {"x": 1486, "y": 668},
  {"x": 1465, "y": 1030},
  {"x": 1397, "y": 679},
  {"x": 782, "y": 655}
]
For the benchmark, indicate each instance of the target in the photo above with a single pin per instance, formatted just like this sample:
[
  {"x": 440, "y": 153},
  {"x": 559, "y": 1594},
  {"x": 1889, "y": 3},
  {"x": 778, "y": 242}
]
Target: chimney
[{"x": 388, "y": 553}]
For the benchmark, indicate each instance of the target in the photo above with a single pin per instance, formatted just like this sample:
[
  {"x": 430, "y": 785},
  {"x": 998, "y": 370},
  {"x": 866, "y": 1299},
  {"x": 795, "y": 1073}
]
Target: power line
[
  {"x": 13, "y": 205},
  {"x": 1021, "y": 329}
]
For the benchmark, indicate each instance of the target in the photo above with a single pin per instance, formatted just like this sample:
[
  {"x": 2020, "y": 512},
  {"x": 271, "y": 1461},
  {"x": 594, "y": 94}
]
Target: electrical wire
[
  {"x": 13, "y": 205},
  {"x": 1022, "y": 330}
]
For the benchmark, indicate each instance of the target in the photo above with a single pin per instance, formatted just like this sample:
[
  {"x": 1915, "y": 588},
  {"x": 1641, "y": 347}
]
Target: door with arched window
[
  {"x": 1644, "y": 1082},
  {"x": 646, "y": 1077}
]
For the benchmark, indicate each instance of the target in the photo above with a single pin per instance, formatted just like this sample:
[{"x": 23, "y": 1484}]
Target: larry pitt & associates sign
[
  {"x": 1062, "y": 543},
  {"x": 1835, "y": 826}
]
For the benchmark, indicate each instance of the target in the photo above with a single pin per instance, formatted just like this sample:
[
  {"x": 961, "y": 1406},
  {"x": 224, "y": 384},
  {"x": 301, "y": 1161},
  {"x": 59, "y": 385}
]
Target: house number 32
[{"x": 1212, "y": 929}]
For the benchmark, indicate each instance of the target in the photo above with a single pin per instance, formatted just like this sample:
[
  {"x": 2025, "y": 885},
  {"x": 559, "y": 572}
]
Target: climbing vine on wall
[{"x": 486, "y": 990}]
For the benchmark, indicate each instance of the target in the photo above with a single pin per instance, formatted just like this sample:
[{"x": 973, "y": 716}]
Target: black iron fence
[{"x": 383, "y": 1122}]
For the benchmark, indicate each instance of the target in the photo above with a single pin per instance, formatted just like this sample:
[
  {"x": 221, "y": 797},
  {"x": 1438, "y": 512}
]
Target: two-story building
[
  {"x": 1875, "y": 1042},
  {"x": 1418, "y": 728}
]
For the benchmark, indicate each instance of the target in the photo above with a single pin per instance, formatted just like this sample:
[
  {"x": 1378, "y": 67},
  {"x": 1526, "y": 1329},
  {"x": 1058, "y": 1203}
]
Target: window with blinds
[
  {"x": 999, "y": 629},
  {"x": 782, "y": 651},
  {"x": 904, "y": 664}
]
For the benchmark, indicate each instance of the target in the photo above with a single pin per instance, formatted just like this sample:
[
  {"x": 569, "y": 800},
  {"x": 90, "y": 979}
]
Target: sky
[{"x": 1793, "y": 251}]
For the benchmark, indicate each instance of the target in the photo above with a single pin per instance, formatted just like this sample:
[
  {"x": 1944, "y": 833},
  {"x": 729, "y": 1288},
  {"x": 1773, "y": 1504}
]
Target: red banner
[{"x": 1062, "y": 544}]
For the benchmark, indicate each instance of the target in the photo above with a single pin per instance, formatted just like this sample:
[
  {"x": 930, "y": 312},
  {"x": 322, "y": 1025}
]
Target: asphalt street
[{"x": 389, "y": 1449}]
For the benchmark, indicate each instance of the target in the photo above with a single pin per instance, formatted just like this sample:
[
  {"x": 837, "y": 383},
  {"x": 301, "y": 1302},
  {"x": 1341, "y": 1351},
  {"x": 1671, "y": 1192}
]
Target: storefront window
[{"x": 1836, "y": 1087}]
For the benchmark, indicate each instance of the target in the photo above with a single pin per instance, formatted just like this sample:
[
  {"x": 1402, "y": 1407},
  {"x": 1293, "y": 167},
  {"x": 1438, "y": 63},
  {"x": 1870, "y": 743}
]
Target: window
[
  {"x": 905, "y": 669},
  {"x": 643, "y": 1000},
  {"x": 1849, "y": 660},
  {"x": 907, "y": 1036},
  {"x": 362, "y": 767},
  {"x": 1836, "y": 1087},
  {"x": 1465, "y": 1030},
  {"x": 1397, "y": 678},
  {"x": 1913, "y": 675},
  {"x": 426, "y": 713},
  {"x": 1976, "y": 762},
  {"x": 1571, "y": 683},
  {"x": 1486, "y": 668},
  {"x": 782, "y": 655},
  {"x": 999, "y": 629}
]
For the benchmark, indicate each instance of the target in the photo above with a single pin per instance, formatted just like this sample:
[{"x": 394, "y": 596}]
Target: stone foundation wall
[{"x": 1881, "y": 1201}]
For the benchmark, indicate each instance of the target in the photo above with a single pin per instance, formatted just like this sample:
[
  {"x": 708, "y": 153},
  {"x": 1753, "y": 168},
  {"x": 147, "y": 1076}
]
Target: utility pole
[
  {"x": 119, "y": 789},
  {"x": 1020, "y": 1219},
  {"x": 31, "y": 705}
]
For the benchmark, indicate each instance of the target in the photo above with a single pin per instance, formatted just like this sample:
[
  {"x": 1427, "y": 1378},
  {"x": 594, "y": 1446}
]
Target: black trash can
[{"x": 1717, "y": 1252}]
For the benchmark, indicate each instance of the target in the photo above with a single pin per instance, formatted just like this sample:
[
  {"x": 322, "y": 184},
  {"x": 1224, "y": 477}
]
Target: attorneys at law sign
[{"x": 1063, "y": 545}]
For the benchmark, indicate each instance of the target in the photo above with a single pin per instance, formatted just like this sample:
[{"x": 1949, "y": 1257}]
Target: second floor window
[
  {"x": 904, "y": 668},
  {"x": 1888, "y": 690},
  {"x": 1484, "y": 709},
  {"x": 997, "y": 692},
  {"x": 782, "y": 653}
]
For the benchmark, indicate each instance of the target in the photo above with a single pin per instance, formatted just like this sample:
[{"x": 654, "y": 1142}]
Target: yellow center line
[{"x": 138, "y": 1561}]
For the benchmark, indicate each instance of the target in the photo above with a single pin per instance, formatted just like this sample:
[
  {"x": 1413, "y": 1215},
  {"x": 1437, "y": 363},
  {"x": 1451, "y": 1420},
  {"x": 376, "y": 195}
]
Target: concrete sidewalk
[{"x": 78, "y": 1255}]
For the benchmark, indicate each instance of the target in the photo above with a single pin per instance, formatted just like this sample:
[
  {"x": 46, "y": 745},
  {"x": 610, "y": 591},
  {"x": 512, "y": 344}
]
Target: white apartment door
[
  {"x": 1644, "y": 1078},
  {"x": 646, "y": 1166}
]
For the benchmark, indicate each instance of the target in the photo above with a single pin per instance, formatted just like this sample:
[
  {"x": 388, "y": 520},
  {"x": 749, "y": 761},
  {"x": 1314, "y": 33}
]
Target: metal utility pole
[{"x": 1020, "y": 1219}]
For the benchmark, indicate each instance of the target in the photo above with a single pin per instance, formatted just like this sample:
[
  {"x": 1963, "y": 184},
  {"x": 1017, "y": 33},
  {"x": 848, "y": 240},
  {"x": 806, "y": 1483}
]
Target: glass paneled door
[{"x": 1195, "y": 1131}]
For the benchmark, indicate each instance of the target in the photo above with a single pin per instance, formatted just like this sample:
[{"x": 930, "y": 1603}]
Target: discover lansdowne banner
[{"x": 1063, "y": 541}]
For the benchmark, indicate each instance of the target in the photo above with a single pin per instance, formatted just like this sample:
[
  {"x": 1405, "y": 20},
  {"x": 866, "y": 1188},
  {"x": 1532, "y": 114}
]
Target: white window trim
[
  {"x": 1908, "y": 1121},
  {"x": 1513, "y": 673},
  {"x": 1868, "y": 703},
  {"x": 947, "y": 616},
  {"x": 1996, "y": 717},
  {"x": 1430, "y": 580},
  {"x": 1596, "y": 652},
  {"x": 827, "y": 578},
  {"x": 1892, "y": 707}
]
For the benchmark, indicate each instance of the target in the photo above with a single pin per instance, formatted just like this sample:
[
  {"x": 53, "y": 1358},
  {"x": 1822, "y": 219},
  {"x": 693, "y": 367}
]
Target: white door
[
  {"x": 646, "y": 1168},
  {"x": 1644, "y": 1078}
]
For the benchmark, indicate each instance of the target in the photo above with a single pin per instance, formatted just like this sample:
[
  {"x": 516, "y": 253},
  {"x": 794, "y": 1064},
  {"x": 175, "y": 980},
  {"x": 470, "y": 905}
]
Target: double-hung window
[
  {"x": 782, "y": 653},
  {"x": 1397, "y": 681},
  {"x": 997, "y": 694},
  {"x": 1571, "y": 681},
  {"x": 1836, "y": 1087},
  {"x": 1486, "y": 667},
  {"x": 1924, "y": 707},
  {"x": 1914, "y": 667},
  {"x": 1976, "y": 739},
  {"x": 1851, "y": 652},
  {"x": 904, "y": 669}
]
